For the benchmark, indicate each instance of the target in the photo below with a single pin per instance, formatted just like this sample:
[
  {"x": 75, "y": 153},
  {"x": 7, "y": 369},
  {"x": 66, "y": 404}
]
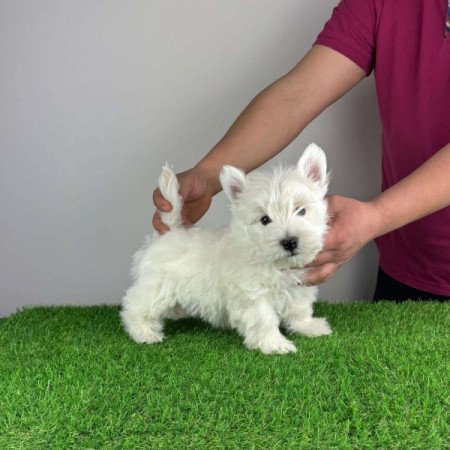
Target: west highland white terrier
[{"x": 246, "y": 276}]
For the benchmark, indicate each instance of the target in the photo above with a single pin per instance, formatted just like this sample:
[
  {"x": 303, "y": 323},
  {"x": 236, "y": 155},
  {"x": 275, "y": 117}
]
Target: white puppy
[{"x": 244, "y": 276}]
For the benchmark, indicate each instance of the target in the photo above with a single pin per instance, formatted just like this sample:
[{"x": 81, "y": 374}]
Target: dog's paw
[
  {"x": 276, "y": 345},
  {"x": 145, "y": 335},
  {"x": 313, "y": 327}
]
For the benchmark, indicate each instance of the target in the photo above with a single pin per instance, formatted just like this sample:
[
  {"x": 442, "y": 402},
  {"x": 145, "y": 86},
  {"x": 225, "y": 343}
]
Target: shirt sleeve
[{"x": 351, "y": 31}]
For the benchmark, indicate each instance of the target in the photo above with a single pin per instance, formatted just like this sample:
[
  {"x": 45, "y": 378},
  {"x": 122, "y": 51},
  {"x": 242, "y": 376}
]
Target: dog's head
[{"x": 280, "y": 217}]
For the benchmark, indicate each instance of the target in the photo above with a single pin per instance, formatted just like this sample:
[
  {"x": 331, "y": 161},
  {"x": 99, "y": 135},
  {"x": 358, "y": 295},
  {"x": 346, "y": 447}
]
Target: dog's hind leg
[
  {"x": 176, "y": 313},
  {"x": 143, "y": 310}
]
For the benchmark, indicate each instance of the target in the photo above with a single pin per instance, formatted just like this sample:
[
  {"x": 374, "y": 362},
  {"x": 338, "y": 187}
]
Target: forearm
[
  {"x": 421, "y": 193},
  {"x": 279, "y": 113},
  {"x": 268, "y": 124}
]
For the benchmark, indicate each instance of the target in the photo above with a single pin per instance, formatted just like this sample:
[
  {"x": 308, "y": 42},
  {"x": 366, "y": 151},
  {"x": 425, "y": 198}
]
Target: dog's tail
[{"x": 169, "y": 187}]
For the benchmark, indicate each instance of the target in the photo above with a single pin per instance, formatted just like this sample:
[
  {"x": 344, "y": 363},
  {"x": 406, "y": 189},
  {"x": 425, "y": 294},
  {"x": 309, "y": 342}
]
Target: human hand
[
  {"x": 196, "y": 193},
  {"x": 352, "y": 225}
]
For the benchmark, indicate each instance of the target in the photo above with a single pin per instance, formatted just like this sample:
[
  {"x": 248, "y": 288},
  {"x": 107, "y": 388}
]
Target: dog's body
[{"x": 238, "y": 276}]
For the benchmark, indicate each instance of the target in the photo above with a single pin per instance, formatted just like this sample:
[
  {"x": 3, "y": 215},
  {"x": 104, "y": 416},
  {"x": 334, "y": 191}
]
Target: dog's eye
[
  {"x": 265, "y": 220},
  {"x": 301, "y": 212}
]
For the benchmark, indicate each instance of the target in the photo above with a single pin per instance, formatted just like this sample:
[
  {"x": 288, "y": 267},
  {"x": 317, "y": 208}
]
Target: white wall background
[{"x": 96, "y": 95}]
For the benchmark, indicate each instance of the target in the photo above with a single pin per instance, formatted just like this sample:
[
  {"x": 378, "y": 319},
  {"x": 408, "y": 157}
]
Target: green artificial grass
[{"x": 71, "y": 378}]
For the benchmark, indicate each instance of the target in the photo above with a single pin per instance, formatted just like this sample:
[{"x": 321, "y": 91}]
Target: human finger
[
  {"x": 160, "y": 202},
  {"x": 322, "y": 258},
  {"x": 319, "y": 275},
  {"x": 158, "y": 224},
  {"x": 333, "y": 247}
]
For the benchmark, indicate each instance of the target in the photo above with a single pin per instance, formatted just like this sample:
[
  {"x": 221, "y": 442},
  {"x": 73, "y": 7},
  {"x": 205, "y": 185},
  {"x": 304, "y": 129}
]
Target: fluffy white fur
[{"x": 244, "y": 276}]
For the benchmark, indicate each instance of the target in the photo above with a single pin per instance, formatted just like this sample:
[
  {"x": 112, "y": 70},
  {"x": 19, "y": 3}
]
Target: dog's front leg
[
  {"x": 298, "y": 313},
  {"x": 258, "y": 323}
]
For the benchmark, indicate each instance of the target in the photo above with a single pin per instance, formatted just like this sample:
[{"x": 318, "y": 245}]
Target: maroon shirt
[{"x": 403, "y": 42}]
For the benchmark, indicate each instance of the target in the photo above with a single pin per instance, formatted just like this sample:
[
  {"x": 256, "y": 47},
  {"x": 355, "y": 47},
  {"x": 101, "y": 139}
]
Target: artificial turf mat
[{"x": 71, "y": 378}]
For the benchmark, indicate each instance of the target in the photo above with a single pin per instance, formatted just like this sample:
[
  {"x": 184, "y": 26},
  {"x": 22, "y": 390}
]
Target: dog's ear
[
  {"x": 313, "y": 165},
  {"x": 232, "y": 180}
]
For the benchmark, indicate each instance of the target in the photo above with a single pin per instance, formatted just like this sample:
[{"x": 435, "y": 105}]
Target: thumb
[{"x": 190, "y": 189}]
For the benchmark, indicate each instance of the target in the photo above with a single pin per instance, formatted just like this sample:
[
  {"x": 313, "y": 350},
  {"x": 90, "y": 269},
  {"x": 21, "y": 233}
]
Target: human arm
[
  {"x": 353, "y": 223},
  {"x": 269, "y": 123}
]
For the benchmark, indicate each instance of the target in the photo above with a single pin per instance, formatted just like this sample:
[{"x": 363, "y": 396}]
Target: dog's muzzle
[{"x": 290, "y": 245}]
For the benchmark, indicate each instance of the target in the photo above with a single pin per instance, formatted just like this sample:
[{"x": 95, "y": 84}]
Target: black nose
[{"x": 289, "y": 244}]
